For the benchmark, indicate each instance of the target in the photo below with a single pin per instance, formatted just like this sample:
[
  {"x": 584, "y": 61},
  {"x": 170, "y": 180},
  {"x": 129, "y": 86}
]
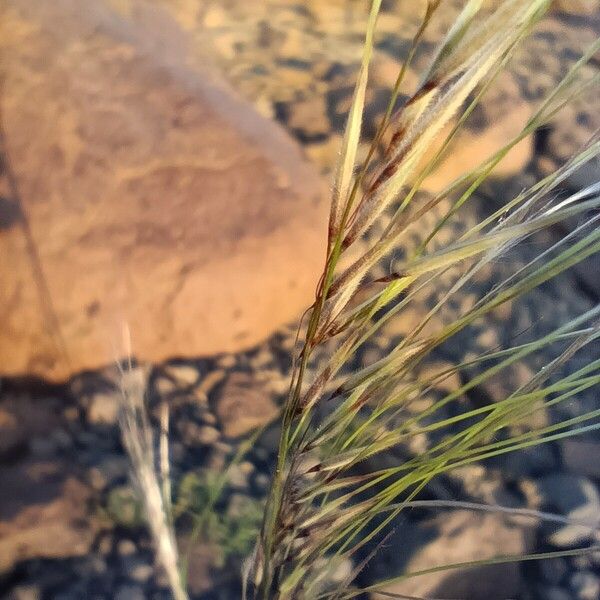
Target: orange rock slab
[{"x": 141, "y": 191}]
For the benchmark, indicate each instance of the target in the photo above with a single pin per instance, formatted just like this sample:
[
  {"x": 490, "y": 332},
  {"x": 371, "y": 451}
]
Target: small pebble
[
  {"x": 108, "y": 472},
  {"x": 553, "y": 570},
  {"x": 208, "y": 435},
  {"x": 25, "y": 592},
  {"x": 554, "y": 593},
  {"x": 177, "y": 452},
  {"x": 580, "y": 456},
  {"x": 194, "y": 434},
  {"x": 583, "y": 562},
  {"x": 223, "y": 448},
  {"x": 574, "y": 497},
  {"x": 91, "y": 565},
  {"x": 165, "y": 386},
  {"x": 103, "y": 409},
  {"x": 289, "y": 343},
  {"x": 105, "y": 545},
  {"x": 237, "y": 478},
  {"x": 226, "y": 361},
  {"x": 75, "y": 591},
  {"x": 71, "y": 413},
  {"x": 246, "y": 467},
  {"x": 185, "y": 375},
  {"x": 136, "y": 569},
  {"x": 278, "y": 385},
  {"x": 42, "y": 446},
  {"x": 126, "y": 548},
  {"x": 262, "y": 482},
  {"x": 270, "y": 439},
  {"x": 86, "y": 438},
  {"x": 209, "y": 418},
  {"x": 536, "y": 461},
  {"x": 342, "y": 571},
  {"x": 586, "y": 585},
  {"x": 130, "y": 592},
  {"x": 262, "y": 359},
  {"x": 261, "y": 453},
  {"x": 62, "y": 439},
  {"x": 209, "y": 381},
  {"x": 98, "y": 565}
]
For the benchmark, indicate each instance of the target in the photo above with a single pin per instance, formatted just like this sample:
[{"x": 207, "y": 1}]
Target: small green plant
[
  {"x": 124, "y": 508},
  {"x": 241, "y": 525},
  {"x": 232, "y": 532},
  {"x": 194, "y": 493}
]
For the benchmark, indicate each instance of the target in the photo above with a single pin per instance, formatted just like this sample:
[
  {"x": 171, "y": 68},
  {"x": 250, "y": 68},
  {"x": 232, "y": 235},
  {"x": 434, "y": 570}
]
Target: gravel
[{"x": 574, "y": 497}]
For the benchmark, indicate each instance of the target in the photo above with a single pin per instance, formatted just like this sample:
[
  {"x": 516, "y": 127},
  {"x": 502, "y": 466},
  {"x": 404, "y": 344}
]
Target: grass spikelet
[
  {"x": 347, "y": 160},
  {"x": 437, "y": 101}
]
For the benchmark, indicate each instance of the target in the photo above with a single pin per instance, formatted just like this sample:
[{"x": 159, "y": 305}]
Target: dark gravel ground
[{"x": 75, "y": 427}]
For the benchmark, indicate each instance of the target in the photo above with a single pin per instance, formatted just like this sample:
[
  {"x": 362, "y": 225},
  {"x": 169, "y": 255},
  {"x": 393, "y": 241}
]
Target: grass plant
[
  {"x": 321, "y": 509},
  {"x": 319, "y": 505}
]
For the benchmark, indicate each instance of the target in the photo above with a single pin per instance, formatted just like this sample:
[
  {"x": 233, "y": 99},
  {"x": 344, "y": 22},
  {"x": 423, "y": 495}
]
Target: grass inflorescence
[{"x": 320, "y": 504}]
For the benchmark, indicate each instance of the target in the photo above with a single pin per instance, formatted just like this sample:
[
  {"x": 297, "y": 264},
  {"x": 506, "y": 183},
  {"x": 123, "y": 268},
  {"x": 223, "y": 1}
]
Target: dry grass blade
[
  {"x": 165, "y": 471},
  {"x": 138, "y": 441}
]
